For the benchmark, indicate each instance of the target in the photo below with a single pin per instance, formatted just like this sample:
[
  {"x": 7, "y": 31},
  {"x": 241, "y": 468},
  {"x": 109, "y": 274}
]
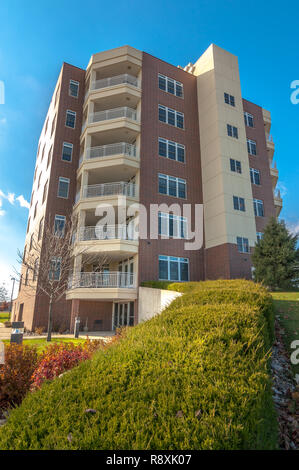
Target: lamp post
[{"x": 13, "y": 285}]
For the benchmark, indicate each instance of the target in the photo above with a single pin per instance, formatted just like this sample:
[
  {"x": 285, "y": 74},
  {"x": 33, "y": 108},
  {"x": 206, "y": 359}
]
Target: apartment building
[{"x": 132, "y": 131}]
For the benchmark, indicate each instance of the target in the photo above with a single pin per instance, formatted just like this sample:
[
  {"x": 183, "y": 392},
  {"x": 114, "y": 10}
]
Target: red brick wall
[
  {"x": 151, "y": 164},
  {"x": 260, "y": 162},
  {"x": 91, "y": 311}
]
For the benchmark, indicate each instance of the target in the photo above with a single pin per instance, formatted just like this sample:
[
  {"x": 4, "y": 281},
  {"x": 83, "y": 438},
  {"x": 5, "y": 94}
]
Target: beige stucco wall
[
  {"x": 217, "y": 72},
  {"x": 151, "y": 302}
]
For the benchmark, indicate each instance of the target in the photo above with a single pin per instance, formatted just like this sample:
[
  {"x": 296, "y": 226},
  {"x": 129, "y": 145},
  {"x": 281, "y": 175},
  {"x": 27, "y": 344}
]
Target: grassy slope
[
  {"x": 4, "y": 316},
  {"x": 287, "y": 305},
  {"x": 194, "y": 377},
  {"x": 42, "y": 343}
]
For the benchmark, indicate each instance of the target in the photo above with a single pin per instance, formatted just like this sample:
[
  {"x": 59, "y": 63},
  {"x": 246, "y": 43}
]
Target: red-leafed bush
[
  {"x": 58, "y": 358},
  {"x": 16, "y": 373}
]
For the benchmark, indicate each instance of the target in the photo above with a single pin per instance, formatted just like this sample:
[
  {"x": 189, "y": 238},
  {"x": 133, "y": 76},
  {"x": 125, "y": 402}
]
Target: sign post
[
  {"x": 77, "y": 326},
  {"x": 17, "y": 332}
]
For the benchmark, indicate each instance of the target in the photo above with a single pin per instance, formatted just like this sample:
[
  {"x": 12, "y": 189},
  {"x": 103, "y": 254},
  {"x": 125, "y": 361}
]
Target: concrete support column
[{"x": 74, "y": 313}]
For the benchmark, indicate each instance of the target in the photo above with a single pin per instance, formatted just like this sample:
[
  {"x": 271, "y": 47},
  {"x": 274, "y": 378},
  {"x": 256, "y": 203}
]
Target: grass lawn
[
  {"x": 42, "y": 343},
  {"x": 4, "y": 316},
  {"x": 287, "y": 306}
]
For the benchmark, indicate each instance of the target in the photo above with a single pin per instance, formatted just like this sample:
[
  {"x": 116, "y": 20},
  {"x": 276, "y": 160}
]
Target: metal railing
[
  {"x": 96, "y": 280},
  {"x": 120, "y": 148},
  {"x": 116, "y": 80},
  {"x": 106, "y": 232},
  {"x": 110, "y": 189},
  {"x": 269, "y": 138},
  {"x": 115, "y": 113}
]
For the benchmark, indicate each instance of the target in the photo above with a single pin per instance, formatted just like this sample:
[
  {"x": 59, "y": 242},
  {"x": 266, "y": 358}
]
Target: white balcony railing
[
  {"x": 110, "y": 189},
  {"x": 120, "y": 148},
  {"x": 106, "y": 232},
  {"x": 115, "y": 113},
  {"x": 102, "y": 280},
  {"x": 116, "y": 80}
]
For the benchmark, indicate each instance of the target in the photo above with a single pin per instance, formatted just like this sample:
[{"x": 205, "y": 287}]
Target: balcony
[
  {"x": 277, "y": 202},
  {"x": 110, "y": 189},
  {"x": 115, "y": 119},
  {"x": 267, "y": 120},
  {"x": 270, "y": 146},
  {"x": 274, "y": 175},
  {"x": 118, "y": 154},
  {"x": 113, "y": 81},
  {"x": 113, "y": 285},
  {"x": 106, "y": 232}
]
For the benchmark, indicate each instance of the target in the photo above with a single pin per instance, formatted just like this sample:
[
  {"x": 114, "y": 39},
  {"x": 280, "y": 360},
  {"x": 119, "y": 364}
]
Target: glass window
[
  {"x": 74, "y": 88},
  {"x": 239, "y": 203},
  {"x": 258, "y": 207},
  {"x": 243, "y": 245},
  {"x": 232, "y": 131},
  {"x": 235, "y": 166},
  {"x": 170, "y": 225},
  {"x": 63, "y": 187},
  {"x": 171, "y": 150},
  {"x": 251, "y": 147},
  {"x": 170, "y": 116},
  {"x": 162, "y": 184},
  {"x": 172, "y": 186},
  {"x": 259, "y": 236},
  {"x": 255, "y": 176},
  {"x": 59, "y": 225},
  {"x": 55, "y": 269},
  {"x": 248, "y": 118},
  {"x": 70, "y": 119},
  {"x": 170, "y": 85},
  {"x": 229, "y": 99},
  {"x": 67, "y": 151},
  {"x": 173, "y": 269}
]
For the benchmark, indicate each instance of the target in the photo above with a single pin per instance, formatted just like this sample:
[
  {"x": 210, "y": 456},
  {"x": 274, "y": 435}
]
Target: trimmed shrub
[
  {"x": 194, "y": 377},
  {"x": 58, "y": 358},
  {"x": 16, "y": 372}
]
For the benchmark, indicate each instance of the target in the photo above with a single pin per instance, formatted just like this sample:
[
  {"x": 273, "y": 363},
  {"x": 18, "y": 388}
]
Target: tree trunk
[{"x": 50, "y": 321}]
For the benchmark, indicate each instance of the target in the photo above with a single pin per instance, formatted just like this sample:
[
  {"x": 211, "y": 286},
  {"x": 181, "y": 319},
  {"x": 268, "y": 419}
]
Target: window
[
  {"x": 54, "y": 273},
  {"x": 248, "y": 118},
  {"x": 229, "y": 99},
  {"x": 251, "y": 147},
  {"x": 35, "y": 210},
  {"x": 49, "y": 156},
  {"x": 67, "y": 151},
  {"x": 232, "y": 131},
  {"x": 239, "y": 203},
  {"x": 172, "y": 186},
  {"x": 59, "y": 225},
  {"x": 39, "y": 178},
  {"x": 235, "y": 165},
  {"x": 74, "y": 89},
  {"x": 35, "y": 270},
  {"x": 40, "y": 228},
  {"x": 243, "y": 245},
  {"x": 63, "y": 187},
  {"x": 31, "y": 242},
  {"x": 45, "y": 192},
  {"x": 171, "y": 225},
  {"x": 171, "y": 150},
  {"x": 53, "y": 125},
  {"x": 43, "y": 152},
  {"x": 170, "y": 116},
  {"x": 28, "y": 225},
  {"x": 173, "y": 269},
  {"x": 259, "y": 236},
  {"x": 255, "y": 176},
  {"x": 26, "y": 276},
  {"x": 70, "y": 119},
  {"x": 258, "y": 207},
  {"x": 170, "y": 85}
]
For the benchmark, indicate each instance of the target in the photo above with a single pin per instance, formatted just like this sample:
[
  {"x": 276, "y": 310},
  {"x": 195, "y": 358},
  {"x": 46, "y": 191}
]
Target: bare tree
[{"x": 49, "y": 263}]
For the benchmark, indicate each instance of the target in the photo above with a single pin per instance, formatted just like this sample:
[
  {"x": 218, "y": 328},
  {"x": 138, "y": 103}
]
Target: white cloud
[
  {"x": 3, "y": 121},
  {"x": 293, "y": 227},
  {"x": 10, "y": 197},
  {"x": 23, "y": 202}
]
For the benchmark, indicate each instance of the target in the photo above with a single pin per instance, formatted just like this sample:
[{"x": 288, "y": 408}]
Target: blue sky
[{"x": 36, "y": 37}]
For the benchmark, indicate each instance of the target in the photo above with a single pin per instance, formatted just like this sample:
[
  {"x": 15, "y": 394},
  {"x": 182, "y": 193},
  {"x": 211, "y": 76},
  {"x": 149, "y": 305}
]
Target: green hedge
[{"x": 194, "y": 377}]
